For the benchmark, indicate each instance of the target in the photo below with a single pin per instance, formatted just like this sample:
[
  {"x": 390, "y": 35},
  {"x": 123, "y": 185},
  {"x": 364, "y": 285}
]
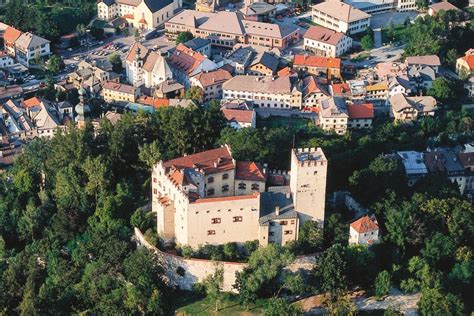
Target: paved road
[
  {"x": 383, "y": 19},
  {"x": 377, "y": 38}
]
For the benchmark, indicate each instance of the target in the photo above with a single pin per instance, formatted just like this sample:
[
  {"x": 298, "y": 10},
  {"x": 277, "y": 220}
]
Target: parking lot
[{"x": 382, "y": 20}]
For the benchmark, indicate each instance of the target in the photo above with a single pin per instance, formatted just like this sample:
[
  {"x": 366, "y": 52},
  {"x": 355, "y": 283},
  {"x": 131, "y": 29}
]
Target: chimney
[{"x": 277, "y": 210}]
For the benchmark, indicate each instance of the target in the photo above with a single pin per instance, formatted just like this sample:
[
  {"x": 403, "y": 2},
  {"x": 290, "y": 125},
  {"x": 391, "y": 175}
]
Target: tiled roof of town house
[
  {"x": 311, "y": 85},
  {"x": 324, "y": 35},
  {"x": 28, "y": 40},
  {"x": 133, "y": 3},
  {"x": 243, "y": 116},
  {"x": 389, "y": 69},
  {"x": 265, "y": 29},
  {"x": 11, "y": 35},
  {"x": 31, "y": 102},
  {"x": 421, "y": 103},
  {"x": 317, "y": 61},
  {"x": 334, "y": 107},
  {"x": 361, "y": 111},
  {"x": 191, "y": 18},
  {"x": 268, "y": 60},
  {"x": 469, "y": 59},
  {"x": 377, "y": 86},
  {"x": 223, "y": 21},
  {"x": 119, "y": 87},
  {"x": 364, "y": 225},
  {"x": 443, "y": 5},
  {"x": 467, "y": 160},
  {"x": 254, "y": 195},
  {"x": 210, "y": 161},
  {"x": 258, "y": 8},
  {"x": 402, "y": 80},
  {"x": 155, "y": 102},
  {"x": 185, "y": 59},
  {"x": 151, "y": 60},
  {"x": 339, "y": 89},
  {"x": 249, "y": 170},
  {"x": 443, "y": 161},
  {"x": 279, "y": 85},
  {"x": 341, "y": 11},
  {"x": 210, "y": 78},
  {"x": 428, "y": 60}
]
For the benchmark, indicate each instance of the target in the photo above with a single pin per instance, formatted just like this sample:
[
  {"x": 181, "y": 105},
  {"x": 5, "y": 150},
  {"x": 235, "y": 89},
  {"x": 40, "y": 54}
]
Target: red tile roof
[
  {"x": 323, "y": 35},
  {"x": 341, "y": 89},
  {"x": 11, "y": 35},
  {"x": 228, "y": 198},
  {"x": 210, "y": 161},
  {"x": 317, "y": 61},
  {"x": 364, "y": 224},
  {"x": 249, "y": 170},
  {"x": 213, "y": 77},
  {"x": 155, "y": 102},
  {"x": 244, "y": 116},
  {"x": 31, "y": 102},
  {"x": 185, "y": 59},
  {"x": 470, "y": 61},
  {"x": 361, "y": 111}
]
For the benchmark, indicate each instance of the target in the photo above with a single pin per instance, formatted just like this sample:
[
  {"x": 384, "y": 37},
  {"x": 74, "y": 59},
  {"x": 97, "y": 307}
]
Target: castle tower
[{"x": 308, "y": 183}]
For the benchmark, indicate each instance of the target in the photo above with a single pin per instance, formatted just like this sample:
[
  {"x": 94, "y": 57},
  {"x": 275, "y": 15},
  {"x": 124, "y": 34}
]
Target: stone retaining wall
[{"x": 184, "y": 273}]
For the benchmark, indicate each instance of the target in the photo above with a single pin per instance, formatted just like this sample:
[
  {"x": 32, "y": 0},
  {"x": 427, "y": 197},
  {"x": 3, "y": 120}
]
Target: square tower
[{"x": 308, "y": 183}]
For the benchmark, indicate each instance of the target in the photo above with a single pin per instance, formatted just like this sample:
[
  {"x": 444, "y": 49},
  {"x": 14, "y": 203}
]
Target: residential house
[
  {"x": 28, "y": 47},
  {"x": 467, "y": 161},
  {"x": 140, "y": 14},
  {"x": 447, "y": 163},
  {"x": 364, "y": 231},
  {"x": 388, "y": 70},
  {"x": 340, "y": 17},
  {"x": 65, "y": 109},
  {"x": 199, "y": 45},
  {"x": 414, "y": 165},
  {"x": 259, "y": 11},
  {"x": 10, "y": 36},
  {"x": 399, "y": 84},
  {"x": 145, "y": 67},
  {"x": 421, "y": 77},
  {"x": 252, "y": 60},
  {"x": 317, "y": 65},
  {"x": 465, "y": 65},
  {"x": 265, "y": 64},
  {"x": 314, "y": 90},
  {"x": 240, "y": 118},
  {"x": 423, "y": 61},
  {"x": 225, "y": 29},
  {"x": 406, "y": 109},
  {"x": 334, "y": 115},
  {"x": 169, "y": 89},
  {"x": 211, "y": 83},
  {"x": 118, "y": 92},
  {"x": 91, "y": 76},
  {"x": 377, "y": 93},
  {"x": 210, "y": 198},
  {"x": 360, "y": 115},
  {"x": 326, "y": 42},
  {"x": 358, "y": 91},
  {"x": 186, "y": 63},
  {"x": 340, "y": 90},
  {"x": 6, "y": 60},
  {"x": 435, "y": 8}
]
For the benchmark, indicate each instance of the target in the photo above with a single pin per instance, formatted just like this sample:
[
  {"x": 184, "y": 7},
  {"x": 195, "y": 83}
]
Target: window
[
  {"x": 288, "y": 232},
  {"x": 216, "y": 220},
  {"x": 237, "y": 219},
  {"x": 155, "y": 180},
  {"x": 210, "y": 192},
  {"x": 271, "y": 233},
  {"x": 225, "y": 188},
  {"x": 210, "y": 179},
  {"x": 242, "y": 186},
  {"x": 155, "y": 191},
  {"x": 272, "y": 224},
  {"x": 255, "y": 186},
  {"x": 283, "y": 223},
  {"x": 225, "y": 176},
  {"x": 211, "y": 232}
]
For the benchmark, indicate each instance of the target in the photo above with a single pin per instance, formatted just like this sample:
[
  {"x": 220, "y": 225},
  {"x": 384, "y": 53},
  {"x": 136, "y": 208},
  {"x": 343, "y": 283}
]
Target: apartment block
[{"x": 340, "y": 17}]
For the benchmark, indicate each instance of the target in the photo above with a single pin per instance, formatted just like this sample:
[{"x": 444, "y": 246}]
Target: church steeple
[{"x": 82, "y": 108}]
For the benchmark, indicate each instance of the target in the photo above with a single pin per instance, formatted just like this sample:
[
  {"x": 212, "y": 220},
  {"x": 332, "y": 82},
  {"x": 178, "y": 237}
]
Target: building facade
[
  {"x": 326, "y": 42},
  {"x": 340, "y": 17}
]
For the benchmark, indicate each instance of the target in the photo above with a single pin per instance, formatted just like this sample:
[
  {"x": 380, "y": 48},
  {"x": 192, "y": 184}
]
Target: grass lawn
[
  {"x": 282, "y": 121},
  {"x": 192, "y": 305}
]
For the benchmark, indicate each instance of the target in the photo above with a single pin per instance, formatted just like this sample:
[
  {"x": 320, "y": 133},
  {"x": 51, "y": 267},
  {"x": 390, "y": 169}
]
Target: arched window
[{"x": 242, "y": 186}]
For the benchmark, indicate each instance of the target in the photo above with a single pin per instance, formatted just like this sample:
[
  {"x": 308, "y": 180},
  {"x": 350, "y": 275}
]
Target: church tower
[
  {"x": 82, "y": 109},
  {"x": 308, "y": 183}
]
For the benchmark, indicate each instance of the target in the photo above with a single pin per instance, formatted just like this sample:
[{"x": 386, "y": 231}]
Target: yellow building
[{"x": 119, "y": 92}]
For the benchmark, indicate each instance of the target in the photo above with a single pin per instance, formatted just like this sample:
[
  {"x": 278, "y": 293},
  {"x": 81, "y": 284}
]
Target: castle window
[
  {"x": 225, "y": 188},
  {"x": 272, "y": 224},
  {"x": 283, "y": 223},
  {"x": 242, "y": 186},
  {"x": 216, "y": 221},
  {"x": 210, "y": 192},
  {"x": 225, "y": 176},
  {"x": 271, "y": 233},
  {"x": 292, "y": 221},
  {"x": 211, "y": 232},
  {"x": 155, "y": 180},
  {"x": 210, "y": 179},
  {"x": 237, "y": 219},
  {"x": 155, "y": 191},
  {"x": 255, "y": 186},
  {"x": 288, "y": 232}
]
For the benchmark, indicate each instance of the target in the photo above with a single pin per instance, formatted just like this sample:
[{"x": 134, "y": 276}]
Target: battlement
[{"x": 309, "y": 156}]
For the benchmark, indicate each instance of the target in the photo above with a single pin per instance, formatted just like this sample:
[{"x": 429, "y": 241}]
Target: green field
[{"x": 190, "y": 304}]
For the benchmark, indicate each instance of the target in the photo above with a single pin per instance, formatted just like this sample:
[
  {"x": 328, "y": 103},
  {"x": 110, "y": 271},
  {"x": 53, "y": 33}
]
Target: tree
[
  {"x": 367, "y": 42},
  {"x": 311, "y": 236},
  {"x": 331, "y": 270},
  {"x": 442, "y": 89},
  {"x": 213, "y": 284},
  {"x": 383, "y": 284},
  {"x": 183, "y": 37},
  {"x": 195, "y": 94},
  {"x": 97, "y": 32},
  {"x": 81, "y": 29},
  {"x": 149, "y": 154},
  {"x": 339, "y": 305},
  {"x": 116, "y": 63},
  {"x": 435, "y": 302},
  {"x": 55, "y": 64},
  {"x": 279, "y": 306}
]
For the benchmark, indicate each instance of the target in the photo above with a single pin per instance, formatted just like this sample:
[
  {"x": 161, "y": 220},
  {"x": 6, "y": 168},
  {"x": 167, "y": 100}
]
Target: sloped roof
[
  {"x": 11, "y": 34},
  {"x": 223, "y": 21},
  {"x": 210, "y": 78},
  {"x": 156, "y": 5},
  {"x": 364, "y": 225},
  {"x": 119, "y": 87},
  {"x": 281, "y": 85},
  {"x": 317, "y": 61},
  {"x": 31, "y": 102},
  {"x": 311, "y": 85},
  {"x": 428, "y": 60},
  {"x": 249, "y": 170},
  {"x": 341, "y": 11},
  {"x": 268, "y": 60},
  {"x": 211, "y": 161},
  {"x": 237, "y": 115},
  {"x": 469, "y": 59},
  {"x": 27, "y": 40},
  {"x": 152, "y": 62},
  {"x": 323, "y": 35},
  {"x": 361, "y": 111},
  {"x": 334, "y": 107},
  {"x": 443, "y": 6},
  {"x": 185, "y": 59}
]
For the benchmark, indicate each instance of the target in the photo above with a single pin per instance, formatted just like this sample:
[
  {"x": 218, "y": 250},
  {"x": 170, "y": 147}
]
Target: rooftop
[
  {"x": 323, "y": 35},
  {"x": 119, "y": 87},
  {"x": 361, "y": 111},
  {"x": 238, "y": 115},
  {"x": 309, "y": 154},
  {"x": 413, "y": 162},
  {"x": 317, "y": 61},
  {"x": 341, "y": 11},
  {"x": 428, "y": 60},
  {"x": 364, "y": 225}
]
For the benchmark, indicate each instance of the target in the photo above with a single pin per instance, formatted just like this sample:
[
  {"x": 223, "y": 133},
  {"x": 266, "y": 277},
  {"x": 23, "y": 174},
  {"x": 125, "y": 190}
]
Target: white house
[
  {"x": 364, "y": 231},
  {"x": 326, "y": 42},
  {"x": 240, "y": 118},
  {"x": 29, "y": 46},
  {"x": 5, "y": 60}
]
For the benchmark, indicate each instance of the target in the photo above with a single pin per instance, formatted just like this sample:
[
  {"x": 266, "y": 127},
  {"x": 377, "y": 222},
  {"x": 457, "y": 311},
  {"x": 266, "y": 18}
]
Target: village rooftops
[
  {"x": 249, "y": 170},
  {"x": 119, "y": 87},
  {"x": 28, "y": 40},
  {"x": 428, "y": 60},
  {"x": 364, "y": 225},
  {"x": 323, "y": 35},
  {"x": 238, "y": 115},
  {"x": 469, "y": 59},
  {"x": 341, "y": 11},
  {"x": 421, "y": 103},
  {"x": 210, "y": 78},
  {"x": 317, "y": 61},
  {"x": 443, "y": 161},
  {"x": 151, "y": 60},
  {"x": 443, "y": 6},
  {"x": 259, "y": 84},
  {"x": 361, "y": 111},
  {"x": 11, "y": 34}
]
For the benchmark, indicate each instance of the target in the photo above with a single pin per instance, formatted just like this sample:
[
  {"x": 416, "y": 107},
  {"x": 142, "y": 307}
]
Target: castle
[{"x": 210, "y": 198}]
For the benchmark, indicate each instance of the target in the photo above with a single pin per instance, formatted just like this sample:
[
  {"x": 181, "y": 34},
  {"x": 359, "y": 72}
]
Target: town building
[
  {"x": 264, "y": 63},
  {"x": 340, "y": 17},
  {"x": 169, "y": 89},
  {"x": 364, "y": 231},
  {"x": 406, "y": 109},
  {"x": 210, "y": 198},
  {"x": 10, "y": 36},
  {"x": 435, "y": 8},
  {"x": 360, "y": 115},
  {"x": 314, "y": 90},
  {"x": 200, "y": 45},
  {"x": 317, "y": 65},
  {"x": 432, "y": 61},
  {"x": 91, "y": 76},
  {"x": 377, "y": 93},
  {"x": 211, "y": 83},
  {"x": 414, "y": 165},
  {"x": 446, "y": 162},
  {"x": 399, "y": 85},
  {"x": 259, "y": 11},
  {"x": 240, "y": 118},
  {"x": 421, "y": 77},
  {"x": 140, "y": 14},
  {"x": 326, "y": 42},
  {"x": 113, "y": 92},
  {"x": 465, "y": 65},
  {"x": 226, "y": 29},
  {"x": 253, "y": 60},
  {"x": 6, "y": 60},
  {"x": 13, "y": 92},
  {"x": 186, "y": 63},
  {"x": 333, "y": 115},
  {"x": 29, "y": 47},
  {"x": 145, "y": 67}
]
